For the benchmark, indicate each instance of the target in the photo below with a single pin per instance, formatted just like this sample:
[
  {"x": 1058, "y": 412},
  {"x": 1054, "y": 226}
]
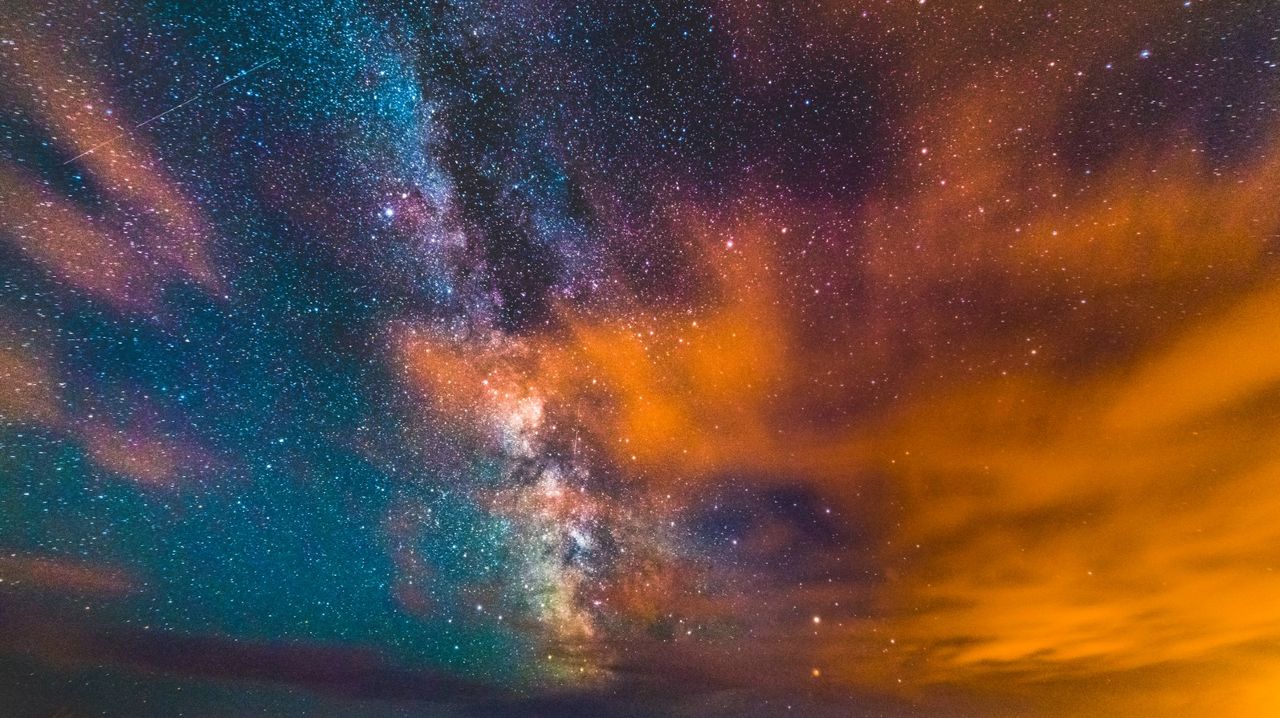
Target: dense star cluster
[{"x": 422, "y": 357}]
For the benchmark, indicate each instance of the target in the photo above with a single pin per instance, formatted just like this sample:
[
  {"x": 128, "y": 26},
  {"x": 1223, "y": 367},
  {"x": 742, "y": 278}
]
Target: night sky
[{"x": 726, "y": 358}]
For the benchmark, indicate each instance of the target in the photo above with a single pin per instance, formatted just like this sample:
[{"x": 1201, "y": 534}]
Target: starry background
[{"x": 893, "y": 358}]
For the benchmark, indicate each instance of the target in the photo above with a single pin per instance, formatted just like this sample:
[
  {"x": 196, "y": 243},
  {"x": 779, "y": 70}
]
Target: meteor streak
[{"x": 178, "y": 106}]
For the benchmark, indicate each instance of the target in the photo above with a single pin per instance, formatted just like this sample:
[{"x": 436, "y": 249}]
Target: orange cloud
[
  {"x": 27, "y": 390},
  {"x": 1053, "y": 381},
  {"x": 50, "y": 573},
  {"x": 1058, "y": 513},
  {"x": 146, "y": 232},
  {"x": 149, "y": 457}
]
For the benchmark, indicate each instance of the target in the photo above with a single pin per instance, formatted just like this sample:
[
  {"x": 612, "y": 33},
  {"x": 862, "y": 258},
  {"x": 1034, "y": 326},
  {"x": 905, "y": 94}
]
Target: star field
[{"x": 886, "y": 358}]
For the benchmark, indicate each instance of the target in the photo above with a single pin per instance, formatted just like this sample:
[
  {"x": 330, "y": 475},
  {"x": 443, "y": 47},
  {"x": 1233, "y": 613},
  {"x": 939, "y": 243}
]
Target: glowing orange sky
[{"x": 1084, "y": 520}]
